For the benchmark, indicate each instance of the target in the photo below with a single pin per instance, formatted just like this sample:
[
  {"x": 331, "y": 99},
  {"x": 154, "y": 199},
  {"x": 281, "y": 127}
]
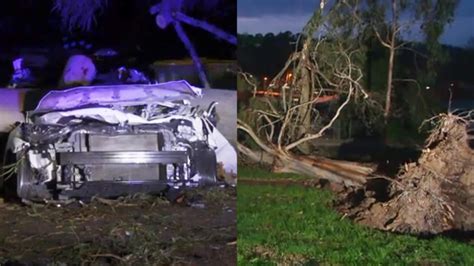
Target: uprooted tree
[
  {"x": 433, "y": 195},
  {"x": 326, "y": 66}
]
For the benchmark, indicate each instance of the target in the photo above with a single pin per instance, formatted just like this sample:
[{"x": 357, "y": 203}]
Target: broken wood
[
  {"x": 348, "y": 173},
  {"x": 343, "y": 172}
]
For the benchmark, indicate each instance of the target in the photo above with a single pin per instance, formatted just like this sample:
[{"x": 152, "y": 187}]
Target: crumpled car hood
[
  {"x": 116, "y": 95},
  {"x": 98, "y": 102}
]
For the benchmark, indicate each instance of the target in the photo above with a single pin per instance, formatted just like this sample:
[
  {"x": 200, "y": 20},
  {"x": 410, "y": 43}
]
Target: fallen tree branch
[{"x": 324, "y": 69}]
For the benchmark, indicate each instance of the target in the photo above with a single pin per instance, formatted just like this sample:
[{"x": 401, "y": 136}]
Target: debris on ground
[
  {"x": 198, "y": 205},
  {"x": 434, "y": 195},
  {"x": 138, "y": 229}
]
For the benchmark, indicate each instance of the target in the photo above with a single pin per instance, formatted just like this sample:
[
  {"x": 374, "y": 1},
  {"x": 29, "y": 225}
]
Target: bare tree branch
[
  {"x": 207, "y": 27},
  {"x": 326, "y": 127}
]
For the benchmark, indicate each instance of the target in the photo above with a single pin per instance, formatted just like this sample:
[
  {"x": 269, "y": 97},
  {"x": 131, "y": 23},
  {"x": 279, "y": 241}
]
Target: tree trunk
[
  {"x": 343, "y": 172},
  {"x": 304, "y": 85},
  {"x": 392, "y": 47},
  {"x": 388, "y": 96}
]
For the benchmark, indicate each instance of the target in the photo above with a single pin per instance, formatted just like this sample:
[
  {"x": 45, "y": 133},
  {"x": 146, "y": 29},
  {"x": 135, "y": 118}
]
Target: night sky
[{"x": 291, "y": 15}]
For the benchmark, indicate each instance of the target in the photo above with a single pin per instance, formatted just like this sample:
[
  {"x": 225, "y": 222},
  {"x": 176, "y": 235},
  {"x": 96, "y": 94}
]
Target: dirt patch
[
  {"x": 432, "y": 196},
  {"x": 199, "y": 228}
]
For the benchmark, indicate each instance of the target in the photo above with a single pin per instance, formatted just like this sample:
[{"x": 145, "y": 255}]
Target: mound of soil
[{"x": 431, "y": 196}]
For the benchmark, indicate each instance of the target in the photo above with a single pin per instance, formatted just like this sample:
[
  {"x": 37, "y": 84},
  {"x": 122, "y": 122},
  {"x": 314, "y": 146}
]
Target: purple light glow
[{"x": 116, "y": 94}]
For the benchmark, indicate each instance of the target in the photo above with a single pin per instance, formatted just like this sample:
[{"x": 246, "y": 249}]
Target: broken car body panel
[
  {"x": 116, "y": 95},
  {"x": 115, "y": 140}
]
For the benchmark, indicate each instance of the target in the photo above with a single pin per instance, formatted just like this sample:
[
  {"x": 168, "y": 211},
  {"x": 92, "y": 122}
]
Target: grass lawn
[{"x": 293, "y": 225}]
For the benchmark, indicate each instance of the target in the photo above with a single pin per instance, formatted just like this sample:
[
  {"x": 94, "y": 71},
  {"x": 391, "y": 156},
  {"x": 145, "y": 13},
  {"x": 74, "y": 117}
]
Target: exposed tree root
[{"x": 431, "y": 196}]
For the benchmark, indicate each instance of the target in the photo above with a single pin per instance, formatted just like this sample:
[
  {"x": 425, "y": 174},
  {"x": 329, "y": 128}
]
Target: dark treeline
[{"x": 265, "y": 55}]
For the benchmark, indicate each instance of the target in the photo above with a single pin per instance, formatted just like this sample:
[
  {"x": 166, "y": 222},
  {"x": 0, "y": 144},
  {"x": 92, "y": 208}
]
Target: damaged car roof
[{"x": 116, "y": 95}]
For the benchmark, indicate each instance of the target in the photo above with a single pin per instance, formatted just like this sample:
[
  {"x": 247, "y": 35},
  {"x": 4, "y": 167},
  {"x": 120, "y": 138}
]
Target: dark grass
[{"x": 296, "y": 225}]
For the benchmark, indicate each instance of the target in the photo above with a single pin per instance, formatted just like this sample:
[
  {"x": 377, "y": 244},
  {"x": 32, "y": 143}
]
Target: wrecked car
[{"x": 116, "y": 140}]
